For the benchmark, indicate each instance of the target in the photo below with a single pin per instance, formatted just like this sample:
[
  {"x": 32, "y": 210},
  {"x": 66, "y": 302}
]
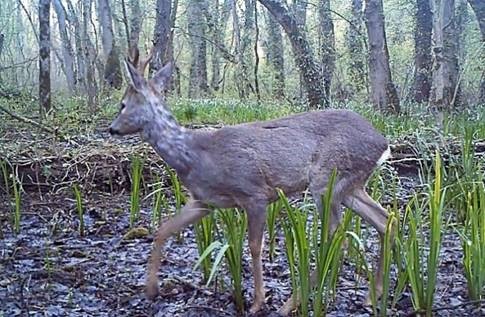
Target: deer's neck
[{"x": 169, "y": 140}]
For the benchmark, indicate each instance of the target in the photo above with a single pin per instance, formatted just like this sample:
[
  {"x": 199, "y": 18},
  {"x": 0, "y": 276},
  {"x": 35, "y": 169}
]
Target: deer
[{"x": 245, "y": 165}]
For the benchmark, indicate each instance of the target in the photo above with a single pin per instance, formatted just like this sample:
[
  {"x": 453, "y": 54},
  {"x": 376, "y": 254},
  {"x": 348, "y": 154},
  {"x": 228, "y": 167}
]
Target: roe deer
[{"x": 243, "y": 165}]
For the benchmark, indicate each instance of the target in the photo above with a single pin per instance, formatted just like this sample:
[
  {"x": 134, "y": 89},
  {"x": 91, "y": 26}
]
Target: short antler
[{"x": 144, "y": 62}]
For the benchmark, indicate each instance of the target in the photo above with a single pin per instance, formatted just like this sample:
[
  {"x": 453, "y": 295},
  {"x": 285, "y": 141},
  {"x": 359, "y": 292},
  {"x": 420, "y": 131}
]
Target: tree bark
[
  {"x": 383, "y": 92},
  {"x": 478, "y": 7},
  {"x": 197, "y": 27},
  {"x": 422, "y": 51},
  {"x": 327, "y": 46},
  {"x": 355, "y": 45},
  {"x": 89, "y": 57},
  {"x": 67, "y": 50},
  {"x": 44, "y": 57},
  {"x": 445, "y": 89},
  {"x": 79, "y": 53},
  {"x": 136, "y": 21},
  {"x": 302, "y": 51},
  {"x": 112, "y": 68},
  {"x": 161, "y": 37},
  {"x": 275, "y": 55}
]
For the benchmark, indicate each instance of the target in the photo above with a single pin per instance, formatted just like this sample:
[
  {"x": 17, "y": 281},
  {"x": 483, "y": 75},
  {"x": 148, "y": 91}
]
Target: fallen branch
[{"x": 27, "y": 120}]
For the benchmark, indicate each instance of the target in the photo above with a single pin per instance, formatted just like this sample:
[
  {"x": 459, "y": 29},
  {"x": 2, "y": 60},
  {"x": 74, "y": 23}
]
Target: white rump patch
[{"x": 384, "y": 157}]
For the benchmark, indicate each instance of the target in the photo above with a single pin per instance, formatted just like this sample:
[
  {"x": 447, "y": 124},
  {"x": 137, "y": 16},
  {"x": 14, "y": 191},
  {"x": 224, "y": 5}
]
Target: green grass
[{"x": 79, "y": 208}]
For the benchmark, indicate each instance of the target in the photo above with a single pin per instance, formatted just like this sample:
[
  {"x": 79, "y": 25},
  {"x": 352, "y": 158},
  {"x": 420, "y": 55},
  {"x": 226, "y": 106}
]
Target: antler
[
  {"x": 134, "y": 55},
  {"x": 144, "y": 62}
]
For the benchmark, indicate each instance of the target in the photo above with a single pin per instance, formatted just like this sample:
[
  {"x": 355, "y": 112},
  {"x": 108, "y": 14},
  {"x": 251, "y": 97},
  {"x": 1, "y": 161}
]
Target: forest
[{"x": 146, "y": 145}]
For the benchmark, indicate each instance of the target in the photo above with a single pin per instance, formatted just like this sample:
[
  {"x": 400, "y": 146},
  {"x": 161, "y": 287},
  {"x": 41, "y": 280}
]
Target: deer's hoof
[
  {"x": 256, "y": 307},
  {"x": 151, "y": 290}
]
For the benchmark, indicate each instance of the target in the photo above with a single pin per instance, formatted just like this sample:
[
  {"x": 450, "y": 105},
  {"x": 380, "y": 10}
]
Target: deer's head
[{"x": 142, "y": 97}]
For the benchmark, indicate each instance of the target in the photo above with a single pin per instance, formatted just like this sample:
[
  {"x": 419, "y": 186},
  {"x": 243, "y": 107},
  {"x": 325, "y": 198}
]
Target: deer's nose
[{"x": 113, "y": 131}]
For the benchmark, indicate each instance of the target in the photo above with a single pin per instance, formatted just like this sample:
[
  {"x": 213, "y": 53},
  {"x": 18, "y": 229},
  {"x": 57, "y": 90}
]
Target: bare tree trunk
[
  {"x": 78, "y": 40},
  {"x": 478, "y": 7},
  {"x": 90, "y": 57},
  {"x": 384, "y": 93},
  {"x": 44, "y": 57},
  {"x": 161, "y": 37},
  {"x": 67, "y": 50},
  {"x": 275, "y": 55},
  {"x": 299, "y": 9},
  {"x": 2, "y": 38},
  {"x": 198, "y": 83},
  {"x": 355, "y": 44},
  {"x": 256, "y": 54},
  {"x": 327, "y": 46},
  {"x": 112, "y": 67},
  {"x": 302, "y": 51},
  {"x": 242, "y": 75},
  {"x": 422, "y": 51},
  {"x": 136, "y": 21},
  {"x": 445, "y": 87}
]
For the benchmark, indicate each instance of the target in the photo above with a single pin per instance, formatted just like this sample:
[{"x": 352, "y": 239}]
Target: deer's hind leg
[
  {"x": 193, "y": 211},
  {"x": 318, "y": 188},
  {"x": 372, "y": 212},
  {"x": 256, "y": 223}
]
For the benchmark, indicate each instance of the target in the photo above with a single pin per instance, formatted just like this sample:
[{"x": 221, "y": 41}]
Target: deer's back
[{"x": 281, "y": 153}]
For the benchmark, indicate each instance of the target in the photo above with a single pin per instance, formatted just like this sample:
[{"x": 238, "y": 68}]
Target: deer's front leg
[
  {"x": 256, "y": 223},
  {"x": 193, "y": 211}
]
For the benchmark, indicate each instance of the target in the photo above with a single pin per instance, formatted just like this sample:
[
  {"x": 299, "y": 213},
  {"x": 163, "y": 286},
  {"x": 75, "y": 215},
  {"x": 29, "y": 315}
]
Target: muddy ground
[{"x": 50, "y": 270}]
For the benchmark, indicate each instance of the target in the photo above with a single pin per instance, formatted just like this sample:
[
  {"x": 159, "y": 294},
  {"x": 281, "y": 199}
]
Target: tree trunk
[
  {"x": 383, "y": 91},
  {"x": 161, "y": 37},
  {"x": 136, "y": 21},
  {"x": 244, "y": 58},
  {"x": 67, "y": 50},
  {"x": 327, "y": 46},
  {"x": 196, "y": 26},
  {"x": 355, "y": 45},
  {"x": 275, "y": 55},
  {"x": 112, "y": 69},
  {"x": 90, "y": 57},
  {"x": 445, "y": 88},
  {"x": 302, "y": 51},
  {"x": 78, "y": 40},
  {"x": 422, "y": 51},
  {"x": 478, "y": 7},
  {"x": 44, "y": 57}
]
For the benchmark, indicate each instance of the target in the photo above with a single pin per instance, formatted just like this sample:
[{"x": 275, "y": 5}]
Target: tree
[
  {"x": 197, "y": 28},
  {"x": 301, "y": 49},
  {"x": 44, "y": 57},
  {"x": 478, "y": 7},
  {"x": 383, "y": 92},
  {"x": 445, "y": 89},
  {"x": 275, "y": 55},
  {"x": 162, "y": 34},
  {"x": 355, "y": 45},
  {"x": 136, "y": 21},
  {"x": 112, "y": 69},
  {"x": 422, "y": 51},
  {"x": 67, "y": 50},
  {"x": 327, "y": 46}
]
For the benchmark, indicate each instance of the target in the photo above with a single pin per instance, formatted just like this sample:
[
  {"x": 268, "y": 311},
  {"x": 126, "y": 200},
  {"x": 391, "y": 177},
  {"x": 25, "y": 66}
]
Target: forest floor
[{"x": 48, "y": 269}]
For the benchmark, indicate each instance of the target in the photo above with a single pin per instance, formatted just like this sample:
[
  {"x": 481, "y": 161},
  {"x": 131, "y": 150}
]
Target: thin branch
[{"x": 27, "y": 120}]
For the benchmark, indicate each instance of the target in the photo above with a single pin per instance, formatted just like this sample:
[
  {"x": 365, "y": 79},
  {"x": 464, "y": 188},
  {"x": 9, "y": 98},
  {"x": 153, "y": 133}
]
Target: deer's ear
[
  {"x": 136, "y": 80},
  {"x": 161, "y": 78}
]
